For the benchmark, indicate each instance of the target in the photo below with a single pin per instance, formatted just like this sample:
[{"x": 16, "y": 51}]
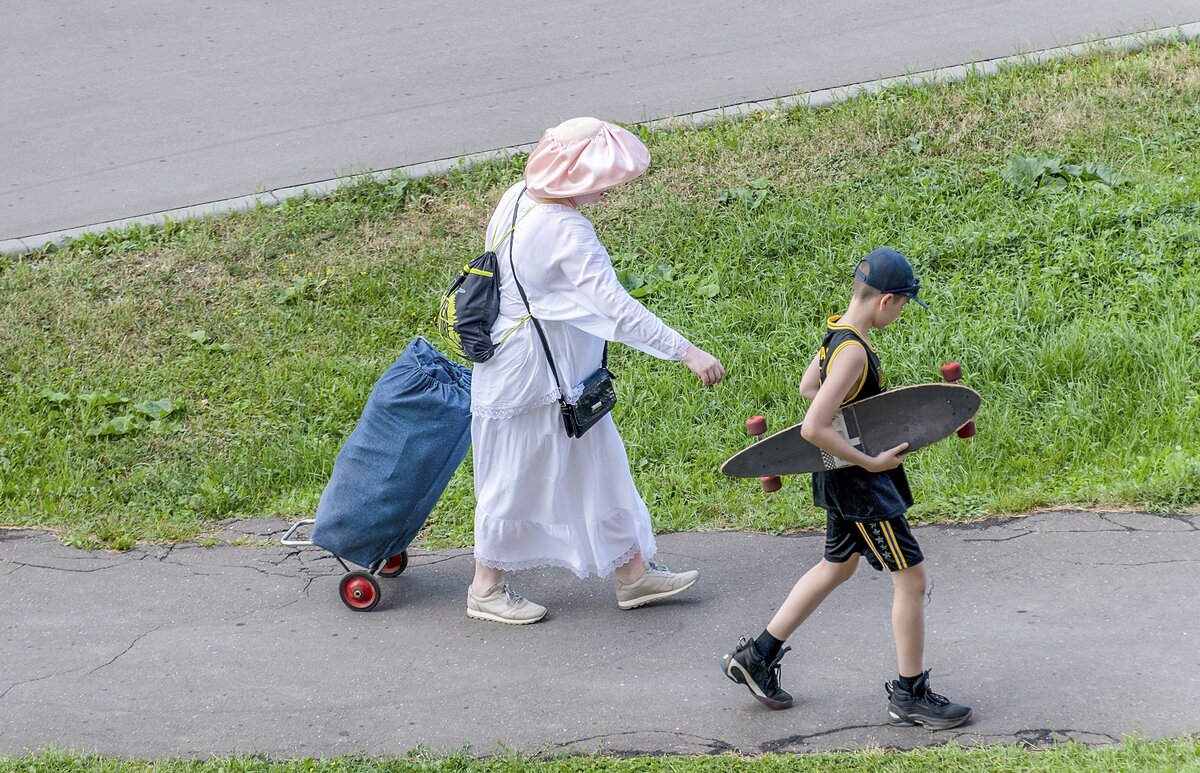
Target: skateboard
[{"x": 918, "y": 415}]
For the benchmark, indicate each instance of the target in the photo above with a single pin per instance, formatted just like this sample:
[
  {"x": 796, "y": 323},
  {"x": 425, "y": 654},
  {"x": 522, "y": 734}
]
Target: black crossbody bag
[{"x": 598, "y": 396}]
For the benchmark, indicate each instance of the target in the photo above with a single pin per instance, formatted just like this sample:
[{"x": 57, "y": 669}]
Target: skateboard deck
[{"x": 918, "y": 415}]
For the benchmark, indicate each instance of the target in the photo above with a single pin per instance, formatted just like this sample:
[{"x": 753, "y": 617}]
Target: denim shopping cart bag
[{"x": 413, "y": 434}]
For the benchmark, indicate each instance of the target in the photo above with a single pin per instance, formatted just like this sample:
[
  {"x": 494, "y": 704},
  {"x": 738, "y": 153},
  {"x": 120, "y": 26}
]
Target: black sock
[
  {"x": 907, "y": 683},
  {"x": 767, "y": 646}
]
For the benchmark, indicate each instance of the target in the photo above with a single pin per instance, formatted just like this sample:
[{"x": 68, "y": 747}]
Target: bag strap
[
  {"x": 513, "y": 228},
  {"x": 538, "y": 325}
]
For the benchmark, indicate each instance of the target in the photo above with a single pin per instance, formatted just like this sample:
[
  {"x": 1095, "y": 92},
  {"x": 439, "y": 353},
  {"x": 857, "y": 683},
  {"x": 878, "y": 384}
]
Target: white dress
[{"x": 542, "y": 498}]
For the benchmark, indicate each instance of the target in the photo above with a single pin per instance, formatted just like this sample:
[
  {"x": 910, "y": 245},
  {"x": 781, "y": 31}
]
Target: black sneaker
[
  {"x": 745, "y": 666},
  {"x": 923, "y": 706}
]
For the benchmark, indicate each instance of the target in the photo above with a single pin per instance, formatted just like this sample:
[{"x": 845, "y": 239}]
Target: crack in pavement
[
  {"x": 999, "y": 539},
  {"x": 1180, "y": 518},
  {"x": 275, "y": 607},
  {"x": 303, "y": 596},
  {"x": 64, "y": 569},
  {"x": 15, "y": 685},
  {"x": 1045, "y": 736},
  {"x": 1154, "y": 563},
  {"x": 1118, "y": 563},
  {"x": 268, "y": 573},
  {"x": 167, "y": 553},
  {"x": 715, "y": 745},
  {"x": 803, "y": 739},
  {"x": 287, "y": 556},
  {"x": 114, "y": 659},
  {"x": 1108, "y": 531},
  {"x": 1119, "y": 528},
  {"x": 440, "y": 560}
]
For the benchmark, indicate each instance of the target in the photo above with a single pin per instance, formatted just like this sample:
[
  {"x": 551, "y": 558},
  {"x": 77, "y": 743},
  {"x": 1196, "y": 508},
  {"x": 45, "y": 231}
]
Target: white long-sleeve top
[{"x": 573, "y": 291}]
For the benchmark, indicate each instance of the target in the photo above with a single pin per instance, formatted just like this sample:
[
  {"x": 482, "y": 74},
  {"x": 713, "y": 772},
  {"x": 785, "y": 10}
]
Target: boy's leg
[
  {"x": 910, "y": 699},
  {"x": 755, "y": 662},
  {"x": 808, "y": 593},
  {"x": 843, "y": 544},
  {"x": 908, "y": 619}
]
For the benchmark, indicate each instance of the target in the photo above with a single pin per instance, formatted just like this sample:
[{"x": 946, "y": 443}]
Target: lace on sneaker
[
  {"x": 776, "y": 666},
  {"x": 929, "y": 694},
  {"x": 653, "y": 568},
  {"x": 511, "y": 596},
  {"x": 932, "y": 697}
]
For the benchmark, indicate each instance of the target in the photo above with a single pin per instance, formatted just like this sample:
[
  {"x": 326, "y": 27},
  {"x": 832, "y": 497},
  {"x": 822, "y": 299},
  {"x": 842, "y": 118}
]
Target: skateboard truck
[
  {"x": 756, "y": 427},
  {"x": 952, "y": 372}
]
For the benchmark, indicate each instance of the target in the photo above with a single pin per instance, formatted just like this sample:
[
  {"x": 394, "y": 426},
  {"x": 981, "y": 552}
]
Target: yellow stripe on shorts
[
  {"x": 870, "y": 542},
  {"x": 895, "y": 543}
]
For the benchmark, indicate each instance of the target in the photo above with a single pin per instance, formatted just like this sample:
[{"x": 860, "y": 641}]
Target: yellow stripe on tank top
[{"x": 861, "y": 379}]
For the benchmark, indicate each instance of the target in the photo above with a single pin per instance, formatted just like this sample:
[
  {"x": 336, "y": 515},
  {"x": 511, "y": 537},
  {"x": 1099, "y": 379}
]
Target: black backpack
[
  {"x": 471, "y": 304},
  {"x": 469, "y": 307}
]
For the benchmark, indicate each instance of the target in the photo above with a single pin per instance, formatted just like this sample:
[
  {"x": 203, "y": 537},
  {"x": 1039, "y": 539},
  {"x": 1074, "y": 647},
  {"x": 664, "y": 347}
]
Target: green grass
[
  {"x": 1072, "y": 303},
  {"x": 1163, "y": 756}
]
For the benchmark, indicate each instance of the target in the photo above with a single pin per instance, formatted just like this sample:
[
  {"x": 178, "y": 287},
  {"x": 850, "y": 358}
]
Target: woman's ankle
[
  {"x": 631, "y": 572},
  {"x": 485, "y": 579}
]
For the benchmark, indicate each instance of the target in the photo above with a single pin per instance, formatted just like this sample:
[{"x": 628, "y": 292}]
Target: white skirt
[{"x": 544, "y": 499}]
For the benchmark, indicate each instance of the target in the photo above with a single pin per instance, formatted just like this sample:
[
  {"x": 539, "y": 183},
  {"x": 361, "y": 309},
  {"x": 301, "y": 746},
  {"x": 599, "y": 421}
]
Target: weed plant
[{"x": 1053, "y": 213}]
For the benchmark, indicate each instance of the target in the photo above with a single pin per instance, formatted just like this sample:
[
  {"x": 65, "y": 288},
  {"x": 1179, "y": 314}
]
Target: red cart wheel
[
  {"x": 359, "y": 591},
  {"x": 394, "y": 566}
]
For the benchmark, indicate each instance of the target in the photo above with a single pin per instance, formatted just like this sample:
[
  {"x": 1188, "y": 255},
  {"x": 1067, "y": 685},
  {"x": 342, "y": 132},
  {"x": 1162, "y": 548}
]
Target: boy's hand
[
  {"x": 704, "y": 365},
  {"x": 888, "y": 460}
]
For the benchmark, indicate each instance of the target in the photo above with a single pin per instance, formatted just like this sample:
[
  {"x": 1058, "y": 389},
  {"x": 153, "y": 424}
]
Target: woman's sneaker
[
  {"x": 745, "y": 666},
  {"x": 657, "y": 582},
  {"x": 502, "y": 605},
  {"x": 923, "y": 706}
]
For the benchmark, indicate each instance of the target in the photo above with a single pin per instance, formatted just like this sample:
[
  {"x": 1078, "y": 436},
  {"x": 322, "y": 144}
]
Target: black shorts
[
  {"x": 887, "y": 543},
  {"x": 859, "y": 495}
]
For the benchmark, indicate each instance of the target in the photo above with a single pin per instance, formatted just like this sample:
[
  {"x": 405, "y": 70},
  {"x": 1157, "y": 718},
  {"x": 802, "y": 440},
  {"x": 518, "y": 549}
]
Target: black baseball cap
[{"x": 889, "y": 272}]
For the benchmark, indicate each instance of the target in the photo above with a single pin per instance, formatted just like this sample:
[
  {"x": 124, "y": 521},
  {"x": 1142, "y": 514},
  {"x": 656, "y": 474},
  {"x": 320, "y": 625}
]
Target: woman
[{"x": 544, "y": 498}]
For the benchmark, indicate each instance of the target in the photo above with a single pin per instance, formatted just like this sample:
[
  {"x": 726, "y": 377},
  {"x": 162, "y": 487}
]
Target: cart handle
[{"x": 286, "y": 539}]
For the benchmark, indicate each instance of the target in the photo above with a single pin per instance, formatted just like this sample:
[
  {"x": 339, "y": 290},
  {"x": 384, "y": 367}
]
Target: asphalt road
[
  {"x": 111, "y": 111},
  {"x": 1054, "y": 626}
]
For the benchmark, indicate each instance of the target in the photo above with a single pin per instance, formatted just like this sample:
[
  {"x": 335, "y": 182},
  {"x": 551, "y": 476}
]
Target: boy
[{"x": 865, "y": 505}]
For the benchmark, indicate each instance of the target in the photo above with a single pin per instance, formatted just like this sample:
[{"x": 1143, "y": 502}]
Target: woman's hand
[{"x": 704, "y": 365}]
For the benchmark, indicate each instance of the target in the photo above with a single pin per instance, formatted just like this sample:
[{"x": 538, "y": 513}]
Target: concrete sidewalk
[{"x": 1058, "y": 625}]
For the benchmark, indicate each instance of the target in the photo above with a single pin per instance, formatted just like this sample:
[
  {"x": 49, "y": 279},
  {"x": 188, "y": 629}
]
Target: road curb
[{"x": 814, "y": 99}]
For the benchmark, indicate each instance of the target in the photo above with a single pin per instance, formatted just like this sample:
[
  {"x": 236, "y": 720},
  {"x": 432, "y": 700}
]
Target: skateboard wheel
[
  {"x": 756, "y": 425},
  {"x": 967, "y": 430},
  {"x": 359, "y": 591},
  {"x": 770, "y": 483},
  {"x": 952, "y": 371},
  {"x": 394, "y": 566}
]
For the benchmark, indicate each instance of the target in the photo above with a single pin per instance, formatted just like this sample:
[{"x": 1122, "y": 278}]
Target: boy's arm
[
  {"x": 841, "y": 376},
  {"x": 811, "y": 381}
]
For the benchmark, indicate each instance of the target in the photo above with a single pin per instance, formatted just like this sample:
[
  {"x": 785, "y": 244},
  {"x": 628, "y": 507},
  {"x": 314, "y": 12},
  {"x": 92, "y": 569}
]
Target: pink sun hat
[{"x": 582, "y": 156}]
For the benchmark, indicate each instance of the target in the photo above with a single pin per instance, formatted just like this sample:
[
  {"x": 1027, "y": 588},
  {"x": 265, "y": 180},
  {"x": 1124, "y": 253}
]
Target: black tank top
[
  {"x": 852, "y": 492},
  {"x": 837, "y": 337}
]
